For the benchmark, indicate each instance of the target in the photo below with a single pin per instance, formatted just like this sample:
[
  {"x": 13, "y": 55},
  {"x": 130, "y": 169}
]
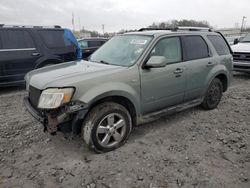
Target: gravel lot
[{"x": 194, "y": 148}]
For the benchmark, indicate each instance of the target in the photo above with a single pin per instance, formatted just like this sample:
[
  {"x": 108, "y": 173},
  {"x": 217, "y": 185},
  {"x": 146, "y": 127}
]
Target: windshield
[
  {"x": 121, "y": 50},
  {"x": 246, "y": 38}
]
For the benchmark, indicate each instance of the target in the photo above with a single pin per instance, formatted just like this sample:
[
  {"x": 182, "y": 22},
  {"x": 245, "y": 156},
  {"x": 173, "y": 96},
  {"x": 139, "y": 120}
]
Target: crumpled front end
[{"x": 65, "y": 118}]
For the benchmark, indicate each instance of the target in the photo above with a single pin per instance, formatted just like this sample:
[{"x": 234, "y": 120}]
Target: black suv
[
  {"x": 90, "y": 45},
  {"x": 24, "y": 48}
]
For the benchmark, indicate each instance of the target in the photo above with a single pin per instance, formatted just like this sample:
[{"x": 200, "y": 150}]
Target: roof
[
  {"x": 30, "y": 26},
  {"x": 177, "y": 30},
  {"x": 93, "y": 38}
]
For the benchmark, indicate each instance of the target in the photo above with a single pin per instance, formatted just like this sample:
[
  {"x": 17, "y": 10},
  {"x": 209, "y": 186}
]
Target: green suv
[{"x": 133, "y": 78}]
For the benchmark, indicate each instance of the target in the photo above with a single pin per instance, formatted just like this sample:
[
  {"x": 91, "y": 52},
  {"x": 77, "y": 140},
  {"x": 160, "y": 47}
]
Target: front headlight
[{"x": 54, "y": 97}]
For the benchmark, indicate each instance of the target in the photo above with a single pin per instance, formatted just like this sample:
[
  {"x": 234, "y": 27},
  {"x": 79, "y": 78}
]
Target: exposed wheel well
[
  {"x": 122, "y": 101},
  {"x": 223, "y": 79},
  {"x": 47, "y": 62}
]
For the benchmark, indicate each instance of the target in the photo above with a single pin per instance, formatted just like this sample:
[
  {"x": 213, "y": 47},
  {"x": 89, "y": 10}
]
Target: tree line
[{"x": 160, "y": 25}]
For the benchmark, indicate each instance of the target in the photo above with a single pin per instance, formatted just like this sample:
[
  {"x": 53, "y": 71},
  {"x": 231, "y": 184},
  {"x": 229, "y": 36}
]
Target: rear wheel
[
  {"x": 213, "y": 95},
  {"x": 106, "y": 127}
]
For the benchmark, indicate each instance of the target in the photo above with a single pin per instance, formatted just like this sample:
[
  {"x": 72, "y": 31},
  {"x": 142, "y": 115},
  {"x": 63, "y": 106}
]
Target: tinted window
[
  {"x": 16, "y": 39},
  {"x": 219, "y": 44},
  {"x": 103, "y": 41},
  {"x": 195, "y": 48},
  {"x": 54, "y": 38},
  {"x": 94, "y": 43},
  {"x": 170, "y": 48}
]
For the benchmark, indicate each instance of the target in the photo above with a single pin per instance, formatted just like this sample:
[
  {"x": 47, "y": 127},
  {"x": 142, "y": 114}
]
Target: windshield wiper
[{"x": 102, "y": 61}]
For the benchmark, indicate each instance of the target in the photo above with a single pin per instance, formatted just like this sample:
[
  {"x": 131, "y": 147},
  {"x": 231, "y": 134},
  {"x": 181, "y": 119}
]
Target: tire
[
  {"x": 106, "y": 127},
  {"x": 213, "y": 95}
]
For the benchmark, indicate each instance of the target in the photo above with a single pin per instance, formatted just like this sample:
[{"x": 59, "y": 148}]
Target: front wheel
[
  {"x": 106, "y": 127},
  {"x": 213, "y": 95}
]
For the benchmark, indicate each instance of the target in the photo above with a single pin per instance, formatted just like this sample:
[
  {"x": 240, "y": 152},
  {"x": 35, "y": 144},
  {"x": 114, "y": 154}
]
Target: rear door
[
  {"x": 17, "y": 54},
  {"x": 199, "y": 62}
]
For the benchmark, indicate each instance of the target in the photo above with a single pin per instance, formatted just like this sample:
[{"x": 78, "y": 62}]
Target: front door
[{"x": 164, "y": 87}]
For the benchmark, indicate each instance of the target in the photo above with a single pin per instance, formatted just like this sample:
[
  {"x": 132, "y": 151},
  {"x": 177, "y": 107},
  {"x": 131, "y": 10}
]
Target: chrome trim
[
  {"x": 244, "y": 64},
  {"x": 21, "y": 49}
]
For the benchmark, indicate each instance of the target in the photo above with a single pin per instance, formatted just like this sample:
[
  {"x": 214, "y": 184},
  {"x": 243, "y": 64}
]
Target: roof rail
[
  {"x": 181, "y": 28},
  {"x": 153, "y": 28},
  {"x": 28, "y": 26},
  {"x": 187, "y": 28}
]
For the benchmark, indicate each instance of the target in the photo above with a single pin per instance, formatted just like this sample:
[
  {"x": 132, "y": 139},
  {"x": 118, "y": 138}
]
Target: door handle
[
  {"x": 210, "y": 64},
  {"x": 35, "y": 54},
  {"x": 178, "y": 71}
]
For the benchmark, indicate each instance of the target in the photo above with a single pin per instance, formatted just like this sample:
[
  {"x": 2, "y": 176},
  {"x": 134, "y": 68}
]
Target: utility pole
[
  {"x": 73, "y": 21},
  {"x": 103, "y": 29},
  {"x": 79, "y": 24},
  {"x": 242, "y": 24}
]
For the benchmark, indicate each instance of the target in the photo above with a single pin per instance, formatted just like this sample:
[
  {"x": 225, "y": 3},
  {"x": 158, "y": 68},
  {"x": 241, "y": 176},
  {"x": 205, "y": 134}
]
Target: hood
[
  {"x": 66, "y": 73},
  {"x": 241, "y": 47}
]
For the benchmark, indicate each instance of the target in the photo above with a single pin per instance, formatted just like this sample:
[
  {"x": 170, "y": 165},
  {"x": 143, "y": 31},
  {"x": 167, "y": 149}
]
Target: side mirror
[
  {"x": 156, "y": 62},
  {"x": 236, "y": 41}
]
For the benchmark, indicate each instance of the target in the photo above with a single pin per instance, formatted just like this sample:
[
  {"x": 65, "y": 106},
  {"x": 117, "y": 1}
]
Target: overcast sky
[{"x": 122, "y": 14}]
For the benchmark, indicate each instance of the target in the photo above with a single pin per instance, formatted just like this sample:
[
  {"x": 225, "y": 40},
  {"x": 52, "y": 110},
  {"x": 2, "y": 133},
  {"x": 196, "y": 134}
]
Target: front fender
[{"x": 110, "y": 90}]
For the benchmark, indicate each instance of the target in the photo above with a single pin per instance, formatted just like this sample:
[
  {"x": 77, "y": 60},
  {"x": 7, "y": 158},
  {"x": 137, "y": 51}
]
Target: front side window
[
  {"x": 123, "y": 50},
  {"x": 195, "y": 48},
  {"x": 83, "y": 44},
  {"x": 16, "y": 39},
  {"x": 219, "y": 44},
  {"x": 170, "y": 48}
]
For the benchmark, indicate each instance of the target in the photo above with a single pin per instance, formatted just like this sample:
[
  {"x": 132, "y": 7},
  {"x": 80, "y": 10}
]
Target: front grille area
[
  {"x": 242, "y": 57},
  {"x": 34, "y": 95},
  {"x": 241, "y": 67}
]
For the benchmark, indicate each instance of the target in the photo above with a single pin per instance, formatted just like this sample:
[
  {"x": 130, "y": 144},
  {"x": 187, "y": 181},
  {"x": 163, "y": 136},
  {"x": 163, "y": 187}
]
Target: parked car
[
  {"x": 90, "y": 45},
  {"x": 241, "y": 55},
  {"x": 232, "y": 40},
  {"x": 24, "y": 48},
  {"x": 133, "y": 78}
]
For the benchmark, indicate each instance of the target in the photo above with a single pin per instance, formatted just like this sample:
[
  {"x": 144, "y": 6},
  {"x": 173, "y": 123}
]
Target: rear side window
[
  {"x": 54, "y": 38},
  {"x": 195, "y": 48},
  {"x": 219, "y": 44},
  {"x": 16, "y": 39},
  {"x": 94, "y": 43}
]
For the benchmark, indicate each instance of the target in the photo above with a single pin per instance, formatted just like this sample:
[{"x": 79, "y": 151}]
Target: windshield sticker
[{"x": 138, "y": 41}]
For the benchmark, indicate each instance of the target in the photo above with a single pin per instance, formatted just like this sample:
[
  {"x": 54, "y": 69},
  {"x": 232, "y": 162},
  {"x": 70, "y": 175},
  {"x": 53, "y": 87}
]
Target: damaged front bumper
[{"x": 67, "y": 119}]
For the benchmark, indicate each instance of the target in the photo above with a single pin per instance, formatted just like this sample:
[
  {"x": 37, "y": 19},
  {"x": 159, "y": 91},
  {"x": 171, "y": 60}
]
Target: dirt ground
[{"x": 194, "y": 148}]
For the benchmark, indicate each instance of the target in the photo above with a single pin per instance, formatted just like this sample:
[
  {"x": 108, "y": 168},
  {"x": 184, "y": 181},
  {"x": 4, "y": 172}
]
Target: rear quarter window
[
  {"x": 54, "y": 38},
  {"x": 219, "y": 44},
  {"x": 195, "y": 47}
]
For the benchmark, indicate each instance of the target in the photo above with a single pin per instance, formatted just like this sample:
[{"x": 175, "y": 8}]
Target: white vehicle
[{"x": 241, "y": 55}]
